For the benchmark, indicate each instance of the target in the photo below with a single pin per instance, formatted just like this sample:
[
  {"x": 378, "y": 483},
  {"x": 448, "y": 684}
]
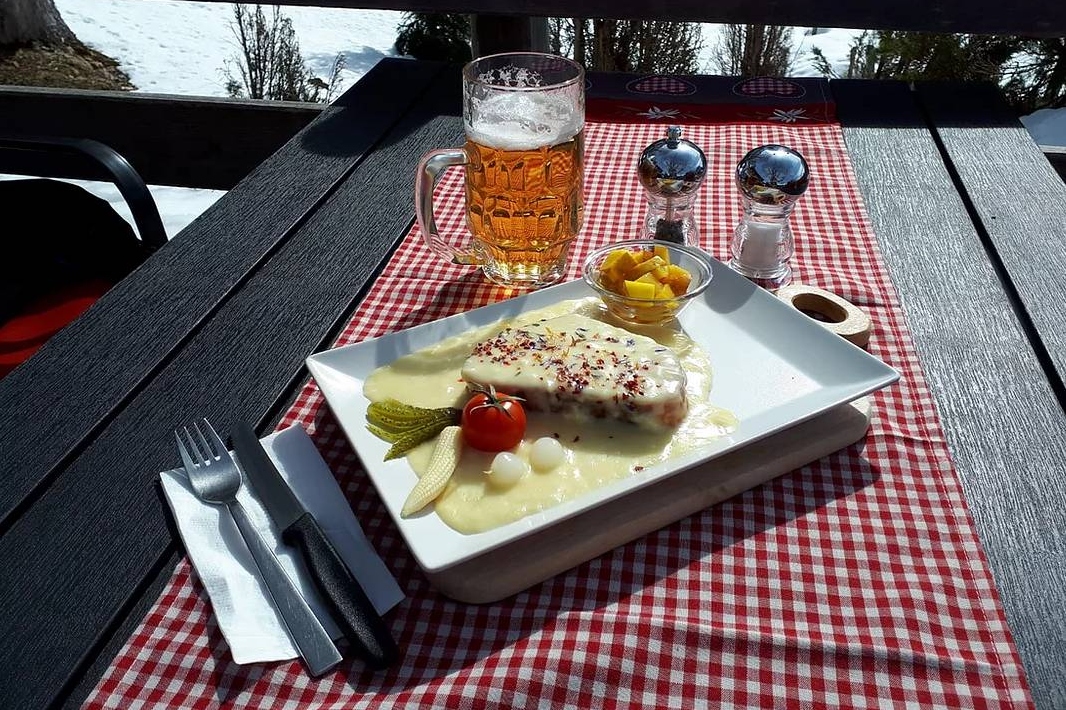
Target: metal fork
[{"x": 216, "y": 479}]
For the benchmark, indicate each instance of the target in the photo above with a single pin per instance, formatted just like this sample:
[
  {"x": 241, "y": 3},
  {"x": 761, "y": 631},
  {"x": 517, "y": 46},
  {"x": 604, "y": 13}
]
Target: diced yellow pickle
[
  {"x": 678, "y": 278},
  {"x": 610, "y": 260},
  {"x": 645, "y": 274},
  {"x": 619, "y": 268},
  {"x": 644, "y": 267},
  {"x": 638, "y": 289},
  {"x": 649, "y": 278}
]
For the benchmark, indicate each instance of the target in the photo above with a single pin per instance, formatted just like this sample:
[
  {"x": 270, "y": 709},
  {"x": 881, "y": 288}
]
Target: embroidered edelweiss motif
[
  {"x": 655, "y": 113},
  {"x": 790, "y": 116}
]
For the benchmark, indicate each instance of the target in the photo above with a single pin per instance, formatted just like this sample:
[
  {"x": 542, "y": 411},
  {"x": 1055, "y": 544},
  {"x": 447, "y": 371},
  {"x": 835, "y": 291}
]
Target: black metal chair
[
  {"x": 87, "y": 159},
  {"x": 63, "y": 247}
]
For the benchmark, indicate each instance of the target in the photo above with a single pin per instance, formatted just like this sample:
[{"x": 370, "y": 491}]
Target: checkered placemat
[{"x": 856, "y": 581}]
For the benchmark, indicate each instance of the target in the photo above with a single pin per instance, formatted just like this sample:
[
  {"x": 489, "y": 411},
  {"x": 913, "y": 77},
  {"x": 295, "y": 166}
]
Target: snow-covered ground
[
  {"x": 178, "y": 47},
  {"x": 1047, "y": 126},
  {"x": 183, "y": 47}
]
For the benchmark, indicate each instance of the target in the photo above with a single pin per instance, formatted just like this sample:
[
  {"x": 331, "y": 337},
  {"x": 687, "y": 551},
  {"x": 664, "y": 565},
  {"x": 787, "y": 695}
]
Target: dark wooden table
[{"x": 969, "y": 214}]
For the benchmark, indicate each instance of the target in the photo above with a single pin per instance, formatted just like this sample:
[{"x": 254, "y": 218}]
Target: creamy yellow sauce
[{"x": 596, "y": 453}]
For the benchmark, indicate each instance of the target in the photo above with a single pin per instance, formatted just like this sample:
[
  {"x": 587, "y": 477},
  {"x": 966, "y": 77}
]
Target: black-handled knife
[{"x": 354, "y": 612}]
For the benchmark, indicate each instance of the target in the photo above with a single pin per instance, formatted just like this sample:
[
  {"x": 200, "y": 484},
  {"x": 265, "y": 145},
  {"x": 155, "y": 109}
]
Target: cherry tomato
[{"x": 493, "y": 421}]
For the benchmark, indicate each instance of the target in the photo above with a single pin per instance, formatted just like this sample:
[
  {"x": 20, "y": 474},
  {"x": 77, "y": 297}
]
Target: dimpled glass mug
[{"x": 524, "y": 119}]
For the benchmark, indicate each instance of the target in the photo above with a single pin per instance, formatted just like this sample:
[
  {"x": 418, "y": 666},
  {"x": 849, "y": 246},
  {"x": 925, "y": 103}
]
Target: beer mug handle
[{"x": 430, "y": 167}]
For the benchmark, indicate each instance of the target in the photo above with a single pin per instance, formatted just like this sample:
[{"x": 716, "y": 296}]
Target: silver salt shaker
[
  {"x": 671, "y": 171},
  {"x": 771, "y": 179}
]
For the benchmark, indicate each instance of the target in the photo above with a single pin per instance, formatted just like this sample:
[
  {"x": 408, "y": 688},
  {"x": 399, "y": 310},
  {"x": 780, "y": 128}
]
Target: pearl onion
[
  {"x": 546, "y": 453},
  {"x": 507, "y": 469}
]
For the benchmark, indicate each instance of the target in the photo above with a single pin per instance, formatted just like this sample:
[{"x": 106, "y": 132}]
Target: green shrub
[{"x": 1030, "y": 71}]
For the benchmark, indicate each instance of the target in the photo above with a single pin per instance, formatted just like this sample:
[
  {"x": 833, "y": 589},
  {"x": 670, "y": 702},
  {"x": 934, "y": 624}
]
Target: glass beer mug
[{"x": 524, "y": 120}]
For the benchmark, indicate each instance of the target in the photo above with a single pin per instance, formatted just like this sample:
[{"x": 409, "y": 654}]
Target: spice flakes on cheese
[{"x": 583, "y": 369}]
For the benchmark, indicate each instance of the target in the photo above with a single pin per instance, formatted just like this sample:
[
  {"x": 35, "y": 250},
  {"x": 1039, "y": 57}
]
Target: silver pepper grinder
[
  {"x": 671, "y": 171},
  {"x": 771, "y": 179}
]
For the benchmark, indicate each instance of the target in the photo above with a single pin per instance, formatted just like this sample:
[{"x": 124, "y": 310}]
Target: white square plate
[{"x": 773, "y": 368}]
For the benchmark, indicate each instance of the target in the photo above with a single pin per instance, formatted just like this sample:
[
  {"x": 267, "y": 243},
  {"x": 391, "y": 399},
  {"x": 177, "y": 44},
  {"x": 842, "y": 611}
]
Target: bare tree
[
  {"x": 26, "y": 21},
  {"x": 628, "y": 45},
  {"x": 270, "y": 65},
  {"x": 754, "y": 50}
]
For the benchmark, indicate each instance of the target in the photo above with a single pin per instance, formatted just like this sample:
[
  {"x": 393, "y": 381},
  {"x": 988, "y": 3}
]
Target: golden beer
[
  {"x": 523, "y": 207},
  {"x": 524, "y": 119}
]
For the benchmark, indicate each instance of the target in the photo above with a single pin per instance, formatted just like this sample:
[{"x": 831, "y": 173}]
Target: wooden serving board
[{"x": 530, "y": 560}]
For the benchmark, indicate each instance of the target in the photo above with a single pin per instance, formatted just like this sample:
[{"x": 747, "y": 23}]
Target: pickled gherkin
[{"x": 406, "y": 426}]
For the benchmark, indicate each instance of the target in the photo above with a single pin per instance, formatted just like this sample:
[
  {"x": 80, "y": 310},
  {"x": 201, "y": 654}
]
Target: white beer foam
[{"x": 522, "y": 121}]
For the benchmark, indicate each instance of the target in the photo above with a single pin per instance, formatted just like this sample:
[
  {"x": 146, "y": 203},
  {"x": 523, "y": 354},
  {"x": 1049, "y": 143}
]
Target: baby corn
[{"x": 441, "y": 466}]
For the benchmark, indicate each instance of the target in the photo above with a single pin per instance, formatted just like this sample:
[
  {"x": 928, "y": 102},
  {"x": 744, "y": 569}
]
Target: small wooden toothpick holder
[{"x": 829, "y": 310}]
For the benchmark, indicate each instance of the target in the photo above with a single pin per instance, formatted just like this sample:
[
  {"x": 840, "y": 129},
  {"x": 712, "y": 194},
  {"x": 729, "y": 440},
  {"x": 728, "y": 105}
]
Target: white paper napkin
[{"x": 248, "y": 621}]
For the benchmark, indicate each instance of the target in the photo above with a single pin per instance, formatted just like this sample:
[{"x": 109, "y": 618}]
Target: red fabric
[
  {"x": 24, "y": 334},
  {"x": 855, "y": 581},
  {"x": 642, "y": 111}
]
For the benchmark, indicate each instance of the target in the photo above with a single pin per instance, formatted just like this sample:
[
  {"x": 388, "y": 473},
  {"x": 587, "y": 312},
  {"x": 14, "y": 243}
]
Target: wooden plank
[
  {"x": 98, "y": 659},
  {"x": 1002, "y": 420},
  {"x": 170, "y": 140},
  {"x": 239, "y": 360},
  {"x": 1017, "y": 197},
  {"x": 1027, "y": 17}
]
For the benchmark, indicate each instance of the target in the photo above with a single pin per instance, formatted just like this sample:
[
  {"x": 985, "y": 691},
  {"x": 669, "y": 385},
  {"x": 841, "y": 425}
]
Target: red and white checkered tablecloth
[{"x": 856, "y": 581}]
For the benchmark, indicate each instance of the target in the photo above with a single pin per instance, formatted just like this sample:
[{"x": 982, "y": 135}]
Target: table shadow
[
  {"x": 454, "y": 295},
  {"x": 441, "y": 636}
]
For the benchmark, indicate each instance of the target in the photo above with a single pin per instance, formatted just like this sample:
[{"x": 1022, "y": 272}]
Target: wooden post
[{"x": 493, "y": 34}]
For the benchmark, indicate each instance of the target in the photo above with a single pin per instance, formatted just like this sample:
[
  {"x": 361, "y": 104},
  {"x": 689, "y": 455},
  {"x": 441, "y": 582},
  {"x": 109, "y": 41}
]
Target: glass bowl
[{"x": 603, "y": 273}]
